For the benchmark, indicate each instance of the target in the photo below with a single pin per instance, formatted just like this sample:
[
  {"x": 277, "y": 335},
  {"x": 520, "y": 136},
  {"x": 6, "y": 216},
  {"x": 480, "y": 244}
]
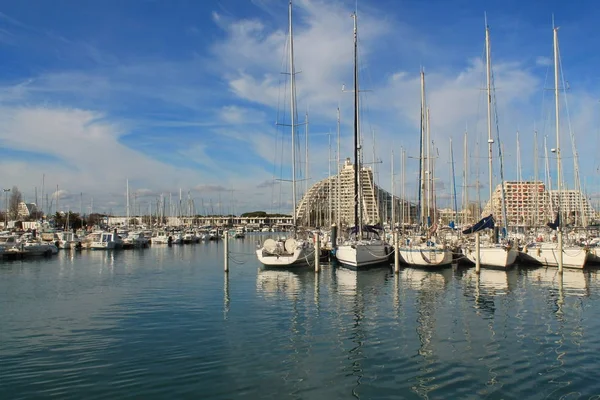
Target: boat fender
[
  {"x": 387, "y": 250},
  {"x": 57, "y": 244},
  {"x": 539, "y": 251},
  {"x": 170, "y": 240}
]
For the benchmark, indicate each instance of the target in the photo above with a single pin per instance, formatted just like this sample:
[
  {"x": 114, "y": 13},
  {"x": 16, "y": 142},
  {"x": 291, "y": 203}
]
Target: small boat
[
  {"x": 135, "y": 240},
  {"x": 288, "y": 252},
  {"x": 239, "y": 233},
  {"x": 213, "y": 234},
  {"x": 66, "y": 240},
  {"x": 190, "y": 237},
  {"x": 108, "y": 241},
  {"x": 8, "y": 242}
]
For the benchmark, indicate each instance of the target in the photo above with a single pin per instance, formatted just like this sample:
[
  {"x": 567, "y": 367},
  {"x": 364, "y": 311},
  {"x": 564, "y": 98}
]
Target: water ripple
[{"x": 165, "y": 322}]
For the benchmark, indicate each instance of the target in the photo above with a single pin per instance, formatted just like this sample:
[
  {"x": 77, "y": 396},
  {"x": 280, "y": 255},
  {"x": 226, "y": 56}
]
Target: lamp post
[{"x": 6, "y": 215}]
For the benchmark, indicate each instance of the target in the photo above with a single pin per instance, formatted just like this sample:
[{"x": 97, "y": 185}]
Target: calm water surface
[{"x": 166, "y": 323}]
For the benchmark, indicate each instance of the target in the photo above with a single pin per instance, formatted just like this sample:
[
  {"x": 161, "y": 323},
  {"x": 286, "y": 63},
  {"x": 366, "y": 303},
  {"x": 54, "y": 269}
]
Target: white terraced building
[
  {"x": 528, "y": 203},
  {"x": 335, "y": 198}
]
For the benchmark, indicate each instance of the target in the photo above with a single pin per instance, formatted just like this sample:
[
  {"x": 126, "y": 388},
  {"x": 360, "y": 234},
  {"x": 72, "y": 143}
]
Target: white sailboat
[
  {"x": 555, "y": 254},
  {"x": 364, "y": 247},
  {"x": 293, "y": 251},
  {"x": 424, "y": 251},
  {"x": 491, "y": 254}
]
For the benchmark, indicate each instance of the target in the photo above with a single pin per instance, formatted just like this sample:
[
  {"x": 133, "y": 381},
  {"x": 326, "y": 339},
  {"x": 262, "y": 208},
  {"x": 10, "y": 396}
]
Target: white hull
[
  {"x": 357, "y": 255},
  {"x": 105, "y": 245},
  {"x": 302, "y": 256},
  {"x": 594, "y": 255},
  {"x": 547, "y": 254},
  {"x": 68, "y": 245},
  {"x": 40, "y": 249},
  {"x": 492, "y": 256},
  {"x": 426, "y": 256}
]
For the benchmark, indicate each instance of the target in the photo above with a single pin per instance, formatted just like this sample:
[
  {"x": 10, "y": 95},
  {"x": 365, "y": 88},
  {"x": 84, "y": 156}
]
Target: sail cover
[
  {"x": 367, "y": 228},
  {"x": 485, "y": 223},
  {"x": 554, "y": 225}
]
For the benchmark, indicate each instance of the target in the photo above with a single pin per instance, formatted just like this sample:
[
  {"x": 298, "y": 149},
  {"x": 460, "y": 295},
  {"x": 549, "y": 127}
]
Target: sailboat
[
  {"x": 292, "y": 251},
  {"x": 554, "y": 254},
  {"x": 491, "y": 254},
  {"x": 424, "y": 250},
  {"x": 364, "y": 247}
]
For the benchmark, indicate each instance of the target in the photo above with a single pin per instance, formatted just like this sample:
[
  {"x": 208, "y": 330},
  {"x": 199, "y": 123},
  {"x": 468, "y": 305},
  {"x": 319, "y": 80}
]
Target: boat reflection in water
[
  {"x": 273, "y": 283},
  {"x": 573, "y": 282},
  {"x": 430, "y": 289},
  {"x": 358, "y": 311},
  {"x": 419, "y": 279}
]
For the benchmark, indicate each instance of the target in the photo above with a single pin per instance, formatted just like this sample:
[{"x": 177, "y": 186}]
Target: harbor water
[{"x": 166, "y": 322}]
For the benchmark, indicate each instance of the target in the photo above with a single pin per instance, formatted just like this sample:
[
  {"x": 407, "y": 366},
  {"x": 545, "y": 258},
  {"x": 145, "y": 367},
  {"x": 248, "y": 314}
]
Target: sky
[{"x": 191, "y": 96}]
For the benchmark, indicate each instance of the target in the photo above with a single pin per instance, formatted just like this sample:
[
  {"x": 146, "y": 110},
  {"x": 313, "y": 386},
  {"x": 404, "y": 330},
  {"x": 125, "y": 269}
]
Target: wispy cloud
[{"x": 195, "y": 106}]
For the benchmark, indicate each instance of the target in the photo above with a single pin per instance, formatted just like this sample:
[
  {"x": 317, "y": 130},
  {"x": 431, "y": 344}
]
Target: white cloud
[
  {"x": 241, "y": 104},
  {"x": 543, "y": 61}
]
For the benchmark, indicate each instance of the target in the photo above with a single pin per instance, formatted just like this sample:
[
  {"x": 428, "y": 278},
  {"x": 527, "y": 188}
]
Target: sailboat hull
[
  {"x": 301, "y": 257},
  {"x": 359, "y": 255},
  {"x": 547, "y": 254},
  {"x": 426, "y": 256},
  {"x": 492, "y": 256}
]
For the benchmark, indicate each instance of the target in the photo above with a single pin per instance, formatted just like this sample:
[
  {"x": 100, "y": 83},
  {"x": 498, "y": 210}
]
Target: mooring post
[
  {"x": 396, "y": 253},
  {"x": 317, "y": 251},
  {"x": 560, "y": 250},
  {"x": 226, "y": 249},
  {"x": 477, "y": 253}
]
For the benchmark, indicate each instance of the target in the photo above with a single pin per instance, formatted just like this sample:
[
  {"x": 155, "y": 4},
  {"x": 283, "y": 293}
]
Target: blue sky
[{"x": 185, "y": 94}]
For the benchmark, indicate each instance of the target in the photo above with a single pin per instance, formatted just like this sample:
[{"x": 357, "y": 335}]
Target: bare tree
[{"x": 13, "y": 204}]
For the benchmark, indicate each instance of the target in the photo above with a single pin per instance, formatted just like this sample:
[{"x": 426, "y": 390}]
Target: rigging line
[
  {"x": 282, "y": 84},
  {"x": 504, "y": 212},
  {"x": 542, "y": 111},
  {"x": 575, "y": 155},
  {"x": 477, "y": 134}
]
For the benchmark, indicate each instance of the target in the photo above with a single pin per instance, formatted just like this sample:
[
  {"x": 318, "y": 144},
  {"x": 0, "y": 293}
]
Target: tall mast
[
  {"x": 306, "y": 185},
  {"x": 466, "y": 179},
  {"x": 329, "y": 196},
  {"x": 558, "y": 169},
  {"x": 393, "y": 202},
  {"x": 293, "y": 114},
  {"x": 535, "y": 174},
  {"x": 421, "y": 154},
  {"x": 557, "y": 110},
  {"x": 127, "y": 198},
  {"x": 488, "y": 63},
  {"x": 356, "y": 143},
  {"x": 519, "y": 178},
  {"x": 402, "y": 194},
  {"x": 339, "y": 181},
  {"x": 375, "y": 193},
  {"x": 454, "y": 200},
  {"x": 428, "y": 172},
  {"x": 548, "y": 177}
]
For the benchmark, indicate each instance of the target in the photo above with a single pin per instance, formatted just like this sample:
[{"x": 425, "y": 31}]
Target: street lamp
[{"x": 6, "y": 215}]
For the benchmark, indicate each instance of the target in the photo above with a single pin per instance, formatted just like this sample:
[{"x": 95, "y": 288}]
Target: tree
[
  {"x": 95, "y": 219},
  {"x": 13, "y": 204},
  {"x": 68, "y": 221}
]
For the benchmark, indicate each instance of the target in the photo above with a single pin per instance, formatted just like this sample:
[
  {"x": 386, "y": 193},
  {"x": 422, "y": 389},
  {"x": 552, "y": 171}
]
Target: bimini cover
[
  {"x": 270, "y": 246},
  {"x": 290, "y": 245}
]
